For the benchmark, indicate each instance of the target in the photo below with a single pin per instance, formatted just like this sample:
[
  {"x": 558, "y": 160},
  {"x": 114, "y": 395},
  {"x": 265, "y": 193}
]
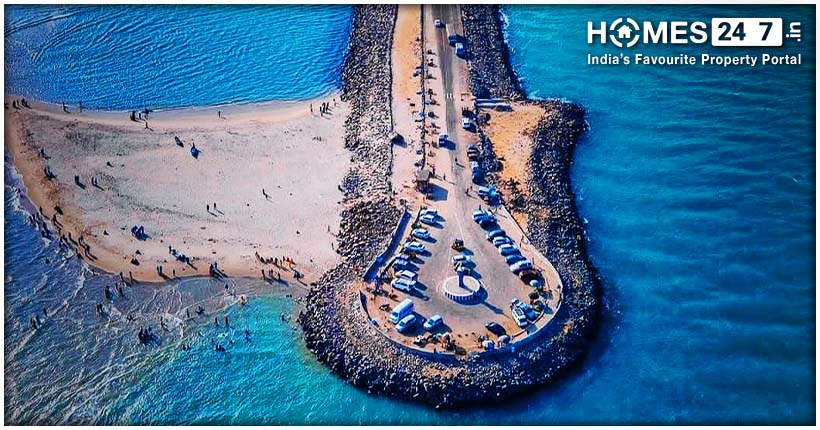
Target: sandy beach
[{"x": 210, "y": 208}]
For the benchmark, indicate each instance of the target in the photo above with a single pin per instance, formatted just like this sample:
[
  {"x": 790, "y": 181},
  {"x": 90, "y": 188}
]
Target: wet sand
[{"x": 210, "y": 208}]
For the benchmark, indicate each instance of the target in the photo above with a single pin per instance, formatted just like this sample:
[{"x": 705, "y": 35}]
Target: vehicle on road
[
  {"x": 414, "y": 247},
  {"x": 508, "y": 249},
  {"x": 495, "y": 233},
  {"x": 520, "y": 317},
  {"x": 401, "y": 310},
  {"x": 514, "y": 258},
  {"x": 421, "y": 233},
  {"x": 406, "y": 323},
  {"x": 495, "y": 328},
  {"x": 461, "y": 258},
  {"x": 460, "y": 50},
  {"x": 439, "y": 23},
  {"x": 457, "y": 245},
  {"x": 403, "y": 284},
  {"x": 501, "y": 240},
  {"x": 433, "y": 322},
  {"x": 521, "y": 265},
  {"x": 428, "y": 219}
]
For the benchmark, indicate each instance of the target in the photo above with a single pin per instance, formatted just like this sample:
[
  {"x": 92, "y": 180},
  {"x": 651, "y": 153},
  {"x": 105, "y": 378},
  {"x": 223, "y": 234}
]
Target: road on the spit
[{"x": 453, "y": 177}]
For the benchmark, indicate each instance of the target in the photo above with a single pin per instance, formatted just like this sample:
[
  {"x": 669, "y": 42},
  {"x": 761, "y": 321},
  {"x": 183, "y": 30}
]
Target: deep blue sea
[{"x": 698, "y": 185}]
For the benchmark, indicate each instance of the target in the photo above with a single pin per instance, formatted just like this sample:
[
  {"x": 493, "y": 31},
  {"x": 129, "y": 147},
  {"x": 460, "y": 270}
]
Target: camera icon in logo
[{"x": 624, "y": 33}]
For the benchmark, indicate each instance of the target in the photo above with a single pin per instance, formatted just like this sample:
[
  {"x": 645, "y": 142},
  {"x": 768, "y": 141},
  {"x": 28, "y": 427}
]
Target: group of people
[
  {"x": 323, "y": 108},
  {"x": 146, "y": 335},
  {"x": 22, "y": 103},
  {"x": 138, "y": 232}
]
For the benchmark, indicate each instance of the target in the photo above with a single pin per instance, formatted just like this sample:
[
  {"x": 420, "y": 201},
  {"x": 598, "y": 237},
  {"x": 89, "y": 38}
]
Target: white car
[
  {"x": 495, "y": 233},
  {"x": 414, "y": 247},
  {"x": 439, "y": 23},
  {"x": 428, "y": 219},
  {"x": 519, "y": 316},
  {"x": 406, "y": 323},
  {"x": 479, "y": 214},
  {"x": 466, "y": 123},
  {"x": 430, "y": 211},
  {"x": 403, "y": 284},
  {"x": 407, "y": 274},
  {"x": 460, "y": 258},
  {"x": 521, "y": 265},
  {"x": 421, "y": 233},
  {"x": 433, "y": 322}
]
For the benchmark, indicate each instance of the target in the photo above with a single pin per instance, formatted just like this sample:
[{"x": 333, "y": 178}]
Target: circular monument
[{"x": 462, "y": 289}]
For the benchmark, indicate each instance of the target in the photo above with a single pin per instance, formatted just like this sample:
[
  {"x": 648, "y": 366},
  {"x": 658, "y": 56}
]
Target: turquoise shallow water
[{"x": 699, "y": 191}]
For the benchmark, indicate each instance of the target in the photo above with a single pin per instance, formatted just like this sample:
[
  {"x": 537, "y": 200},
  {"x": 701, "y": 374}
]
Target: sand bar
[{"x": 144, "y": 178}]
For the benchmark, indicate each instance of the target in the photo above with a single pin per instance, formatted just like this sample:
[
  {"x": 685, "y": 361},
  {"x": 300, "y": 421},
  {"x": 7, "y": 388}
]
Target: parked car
[
  {"x": 488, "y": 345},
  {"x": 403, "y": 284},
  {"x": 495, "y": 328},
  {"x": 466, "y": 123},
  {"x": 460, "y": 258},
  {"x": 406, "y": 323},
  {"x": 529, "y": 311},
  {"x": 414, "y": 247},
  {"x": 407, "y": 274},
  {"x": 495, "y": 233},
  {"x": 507, "y": 249},
  {"x": 457, "y": 245},
  {"x": 479, "y": 214},
  {"x": 503, "y": 340},
  {"x": 520, "y": 317},
  {"x": 433, "y": 322},
  {"x": 439, "y": 23},
  {"x": 514, "y": 258},
  {"x": 488, "y": 222},
  {"x": 428, "y": 219},
  {"x": 501, "y": 240},
  {"x": 521, "y": 265},
  {"x": 421, "y": 233},
  {"x": 430, "y": 211}
]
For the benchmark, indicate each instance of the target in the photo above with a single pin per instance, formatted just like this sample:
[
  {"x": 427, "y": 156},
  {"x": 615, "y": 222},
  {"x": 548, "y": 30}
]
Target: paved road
[{"x": 456, "y": 207}]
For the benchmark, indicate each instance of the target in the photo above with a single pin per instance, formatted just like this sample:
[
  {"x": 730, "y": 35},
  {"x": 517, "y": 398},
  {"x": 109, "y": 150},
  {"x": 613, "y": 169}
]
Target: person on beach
[
  {"x": 219, "y": 113},
  {"x": 216, "y": 321}
]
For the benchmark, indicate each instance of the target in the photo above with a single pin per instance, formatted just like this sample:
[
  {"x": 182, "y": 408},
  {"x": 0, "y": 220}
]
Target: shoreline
[
  {"x": 256, "y": 119},
  {"x": 334, "y": 323}
]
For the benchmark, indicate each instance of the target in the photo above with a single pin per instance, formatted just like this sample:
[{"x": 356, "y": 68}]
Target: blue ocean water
[
  {"x": 161, "y": 56},
  {"x": 698, "y": 185}
]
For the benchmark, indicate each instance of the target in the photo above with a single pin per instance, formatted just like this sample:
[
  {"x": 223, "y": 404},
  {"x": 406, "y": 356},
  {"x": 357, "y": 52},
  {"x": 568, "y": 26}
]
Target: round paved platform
[{"x": 469, "y": 292}]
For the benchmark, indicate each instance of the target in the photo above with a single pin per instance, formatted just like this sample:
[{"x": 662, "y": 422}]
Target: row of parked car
[
  {"x": 498, "y": 237},
  {"x": 405, "y": 319},
  {"x": 405, "y": 276}
]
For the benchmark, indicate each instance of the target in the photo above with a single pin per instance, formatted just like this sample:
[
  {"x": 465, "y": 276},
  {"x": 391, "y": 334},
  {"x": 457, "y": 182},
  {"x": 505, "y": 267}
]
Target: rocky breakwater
[
  {"x": 491, "y": 73},
  {"x": 335, "y": 326},
  {"x": 553, "y": 224},
  {"x": 366, "y": 85}
]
